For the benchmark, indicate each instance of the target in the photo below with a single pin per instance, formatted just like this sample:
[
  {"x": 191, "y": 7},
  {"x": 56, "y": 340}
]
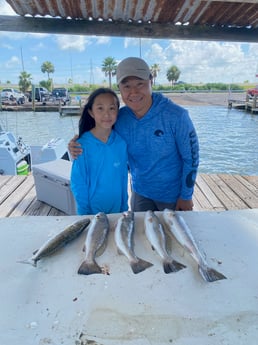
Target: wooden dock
[
  {"x": 214, "y": 192},
  {"x": 249, "y": 104},
  {"x": 70, "y": 110}
]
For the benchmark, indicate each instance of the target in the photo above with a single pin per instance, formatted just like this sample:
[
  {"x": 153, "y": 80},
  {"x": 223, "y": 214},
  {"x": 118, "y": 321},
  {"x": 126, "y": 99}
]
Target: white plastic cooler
[{"x": 52, "y": 183}]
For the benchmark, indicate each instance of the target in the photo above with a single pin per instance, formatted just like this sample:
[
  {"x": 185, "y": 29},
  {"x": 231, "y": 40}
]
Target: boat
[{"x": 18, "y": 158}]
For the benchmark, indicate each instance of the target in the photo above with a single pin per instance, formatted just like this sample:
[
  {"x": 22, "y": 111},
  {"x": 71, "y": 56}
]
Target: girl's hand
[{"x": 74, "y": 147}]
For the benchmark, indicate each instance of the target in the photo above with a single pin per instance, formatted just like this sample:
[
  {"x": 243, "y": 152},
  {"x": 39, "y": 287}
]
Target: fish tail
[
  {"x": 170, "y": 266},
  {"x": 210, "y": 274},
  {"x": 28, "y": 261},
  {"x": 89, "y": 268},
  {"x": 140, "y": 265}
]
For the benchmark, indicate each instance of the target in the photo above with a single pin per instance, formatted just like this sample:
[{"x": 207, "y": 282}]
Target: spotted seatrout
[
  {"x": 156, "y": 236},
  {"x": 124, "y": 238},
  {"x": 58, "y": 241},
  {"x": 182, "y": 233},
  {"x": 95, "y": 244}
]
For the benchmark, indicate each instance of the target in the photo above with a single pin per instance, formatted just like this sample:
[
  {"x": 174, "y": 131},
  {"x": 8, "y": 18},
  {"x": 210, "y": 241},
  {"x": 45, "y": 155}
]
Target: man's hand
[
  {"x": 74, "y": 147},
  {"x": 184, "y": 205}
]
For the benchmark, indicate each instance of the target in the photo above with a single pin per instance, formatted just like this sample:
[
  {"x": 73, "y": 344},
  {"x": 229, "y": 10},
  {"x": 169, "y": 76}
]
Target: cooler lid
[{"x": 59, "y": 169}]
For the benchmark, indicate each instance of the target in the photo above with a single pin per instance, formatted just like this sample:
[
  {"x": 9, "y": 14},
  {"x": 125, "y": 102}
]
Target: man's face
[{"x": 136, "y": 94}]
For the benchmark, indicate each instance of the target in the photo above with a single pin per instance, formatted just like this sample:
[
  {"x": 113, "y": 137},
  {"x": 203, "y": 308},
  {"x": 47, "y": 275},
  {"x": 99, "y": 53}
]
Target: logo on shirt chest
[{"x": 158, "y": 133}]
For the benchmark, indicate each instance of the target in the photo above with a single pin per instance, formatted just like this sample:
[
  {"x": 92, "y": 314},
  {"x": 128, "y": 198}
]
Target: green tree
[
  {"x": 109, "y": 66},
  {"x": 155, "y": 69},
  {"x": 173, "y": 74},
  {"x": 47, "y": 67},
  {"x": 24, "y": 81},
  {"x": 46, "y": 83}
]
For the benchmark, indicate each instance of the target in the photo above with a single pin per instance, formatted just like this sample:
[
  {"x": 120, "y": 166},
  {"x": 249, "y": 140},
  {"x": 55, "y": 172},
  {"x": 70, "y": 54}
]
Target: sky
[{"x": 80, "y": 58}]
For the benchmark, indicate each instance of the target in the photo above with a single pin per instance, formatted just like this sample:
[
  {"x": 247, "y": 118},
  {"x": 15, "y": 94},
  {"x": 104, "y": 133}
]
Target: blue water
[{"x": 228, "y": 138}]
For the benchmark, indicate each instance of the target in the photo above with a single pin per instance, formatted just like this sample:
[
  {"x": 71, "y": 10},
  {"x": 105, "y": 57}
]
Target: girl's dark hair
[{"x": 87, "y": 122}]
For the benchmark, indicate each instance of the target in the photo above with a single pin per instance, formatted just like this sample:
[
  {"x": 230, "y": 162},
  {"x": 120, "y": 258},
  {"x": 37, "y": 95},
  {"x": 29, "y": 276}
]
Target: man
[{"x": 163, "y": 149}]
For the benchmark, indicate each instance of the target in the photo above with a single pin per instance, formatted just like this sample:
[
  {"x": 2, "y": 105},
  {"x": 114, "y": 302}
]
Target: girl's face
[{"x": 104, "y": 110}]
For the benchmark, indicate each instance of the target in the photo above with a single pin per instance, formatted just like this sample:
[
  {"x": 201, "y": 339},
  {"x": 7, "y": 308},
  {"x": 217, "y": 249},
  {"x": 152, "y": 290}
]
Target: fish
[
  {"x": 58, "y": 241},
  {"x": 95, "y": 243},
  {"x": 124, "y": 233},
  {"x": 181, "y": 231},
  {"x": 156, "y": 235}
]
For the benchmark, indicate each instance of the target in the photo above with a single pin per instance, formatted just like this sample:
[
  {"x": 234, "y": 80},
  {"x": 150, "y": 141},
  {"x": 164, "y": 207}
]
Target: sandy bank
[{"x": 204, "y": 98}]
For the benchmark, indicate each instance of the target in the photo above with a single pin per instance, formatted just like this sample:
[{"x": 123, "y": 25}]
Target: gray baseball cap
[{"x": 132, "y": 67}]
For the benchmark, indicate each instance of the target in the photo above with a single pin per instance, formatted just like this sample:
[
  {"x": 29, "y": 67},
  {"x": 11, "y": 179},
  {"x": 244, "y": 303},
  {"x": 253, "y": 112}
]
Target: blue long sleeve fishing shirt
[
  {"x": 99, "y": 177},
  {"x": 163, "y": 150}
]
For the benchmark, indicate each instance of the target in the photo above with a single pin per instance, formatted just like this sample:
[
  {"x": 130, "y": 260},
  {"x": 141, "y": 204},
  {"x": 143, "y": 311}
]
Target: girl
[{"x": 99, "y": 176}]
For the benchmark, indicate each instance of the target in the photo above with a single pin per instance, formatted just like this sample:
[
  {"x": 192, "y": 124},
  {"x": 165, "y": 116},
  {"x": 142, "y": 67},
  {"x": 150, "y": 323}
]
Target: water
[{"x": 228, "y": 138}]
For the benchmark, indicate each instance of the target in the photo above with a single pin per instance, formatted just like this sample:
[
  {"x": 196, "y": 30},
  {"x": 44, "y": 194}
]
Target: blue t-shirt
[
  {"x": 163, "y": 150},
  {"x": 99, "y": 177}
]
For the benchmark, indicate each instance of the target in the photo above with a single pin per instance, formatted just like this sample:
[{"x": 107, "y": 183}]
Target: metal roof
[{"x": 155, "y": 18}]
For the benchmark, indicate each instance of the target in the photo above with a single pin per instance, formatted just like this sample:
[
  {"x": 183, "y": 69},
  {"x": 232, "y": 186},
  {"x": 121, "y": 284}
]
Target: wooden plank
[
  {"x": 253, "y": 180},
  {"x": 251, "y": 187},
  {"x": 201, "y": 198},
  {"x": 13, "y": 200},
  {"x": 207, "y": 185},
  {"x": 24, "y": 204},
  {"x": 226, "y": 195},
  {"x": 38, "y": 208},
  {"x": 10, "y": 186},
  {"x": 4, "y": 180},
  {"x": 196, "y": 206},
  {"x": 55, "y": 212},
  {"x": 220, "y": 194},
  {"x": 240, "y": 190},
  {"x": 214, "y": 192}
]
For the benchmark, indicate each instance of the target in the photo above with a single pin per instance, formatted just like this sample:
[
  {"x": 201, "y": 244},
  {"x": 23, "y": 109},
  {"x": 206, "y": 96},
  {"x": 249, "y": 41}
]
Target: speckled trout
[
  {"x": 183, "y": 234},
  {"x": 58, "y": 241},
  {"x": 157, "y": 238},
  {"x": 124, "y": 238},
  {"x": 95, "y": 244}
]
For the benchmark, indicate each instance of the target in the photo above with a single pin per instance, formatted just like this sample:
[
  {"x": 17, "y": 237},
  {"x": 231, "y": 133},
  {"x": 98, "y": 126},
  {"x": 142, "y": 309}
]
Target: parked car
[
  {"x": 41, "y": 94},
  {"x": 62, "y": 94},
  {"x": 253, "y": 92},
  {"x": 12, "y": 95},
  {"x": 20, "y": 97}
]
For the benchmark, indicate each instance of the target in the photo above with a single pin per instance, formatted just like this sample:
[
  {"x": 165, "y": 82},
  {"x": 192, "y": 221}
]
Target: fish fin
[
  {"x": 28, "y": 261},
  {"x": 172, "y": 266},
  {"x": 210, "y": 274},
  {"x": 89, "y": 268},
  {"x": 140, "y": 265}
]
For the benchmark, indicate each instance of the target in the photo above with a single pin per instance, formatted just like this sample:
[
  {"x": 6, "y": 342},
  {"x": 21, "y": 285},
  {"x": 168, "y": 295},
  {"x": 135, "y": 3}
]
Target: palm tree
[
  {"x": 109, "y": 66},
  {"x": 173, "y": 74},
  {"x": 48, "y": 67},
  {"x": 155, "y": 69},
  {"x": 24, "y": 81}
]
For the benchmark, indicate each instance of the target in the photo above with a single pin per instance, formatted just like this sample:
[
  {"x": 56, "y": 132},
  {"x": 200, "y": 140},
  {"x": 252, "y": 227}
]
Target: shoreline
[
  {"x": 183, "y": 99},
  {"x": 204, "y": 98}
]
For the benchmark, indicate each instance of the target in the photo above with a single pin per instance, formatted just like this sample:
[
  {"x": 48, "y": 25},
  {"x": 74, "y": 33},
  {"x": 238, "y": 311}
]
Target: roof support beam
[{"x": 130, "y": 29}]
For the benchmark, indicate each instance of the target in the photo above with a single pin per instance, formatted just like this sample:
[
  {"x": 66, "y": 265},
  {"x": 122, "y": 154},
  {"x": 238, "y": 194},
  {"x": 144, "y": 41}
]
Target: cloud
[
  {"x": 12, "y": 62},
  {"x": 78, "y": 43},
  {"x": 7, "y": 46},
  {"x": 103, "y": 40},
  {"x": 6, "y": 8},
  {"x": 201, "y": 61}
]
